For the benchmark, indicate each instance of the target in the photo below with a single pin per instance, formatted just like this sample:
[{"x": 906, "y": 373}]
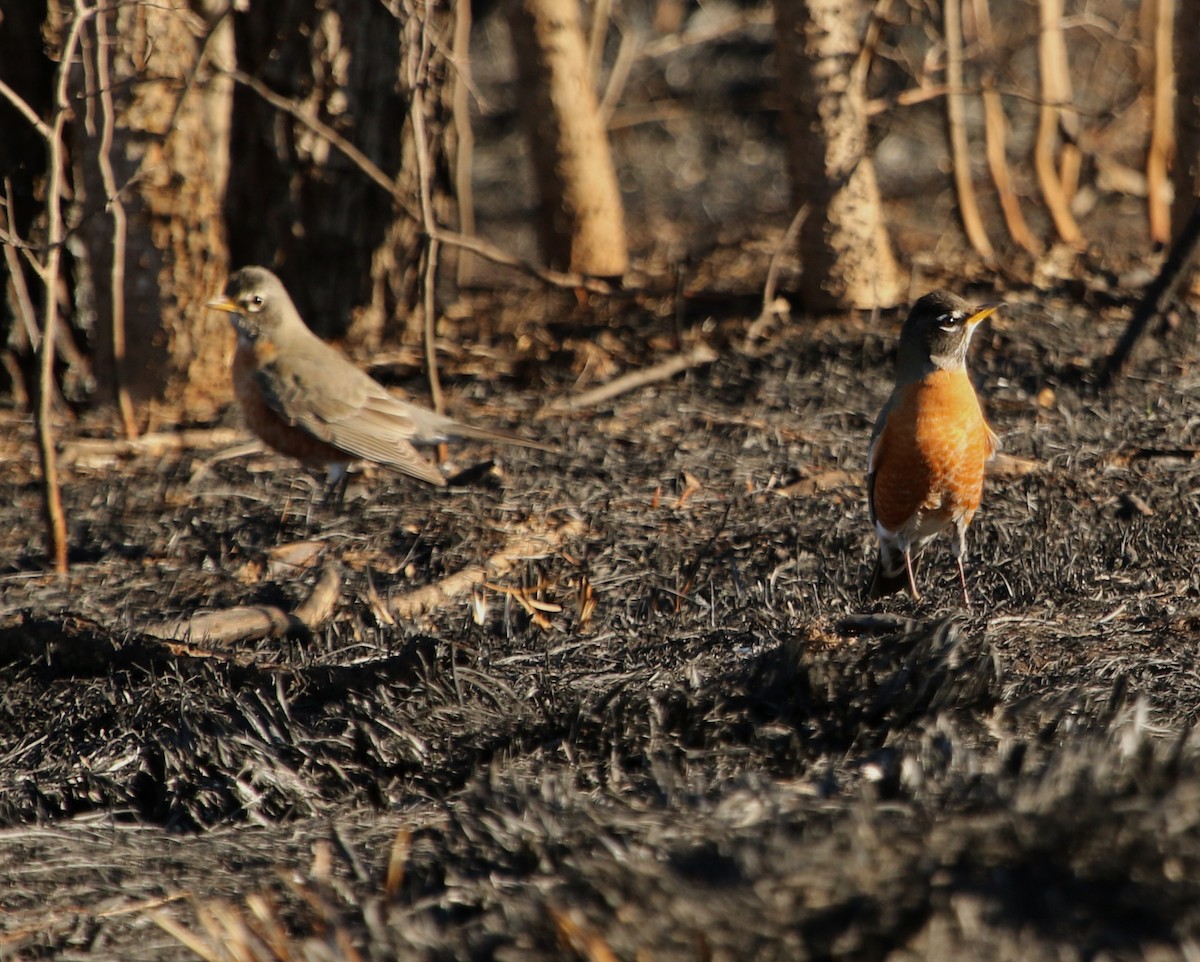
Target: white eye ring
[{"x": 254, "y": 303}]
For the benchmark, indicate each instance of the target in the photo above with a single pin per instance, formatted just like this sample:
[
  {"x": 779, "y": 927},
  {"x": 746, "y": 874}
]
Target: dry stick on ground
[
  {"x": 94, "y": 452},
  {"x": 48, "y": 271},
  {"x": 956, "y": 118},
  {"x": 229, "y": 626},
  {"x": 117, "y": 207},
  {"x": 1182, "y": 254},
  {"x": 662, "y": 371},
  {"x": 996, "y": 136},
  {"x": 1162, "y": 131},
  {"x": 524, "y": 546},
  {"x": 1052, "y": 65}
]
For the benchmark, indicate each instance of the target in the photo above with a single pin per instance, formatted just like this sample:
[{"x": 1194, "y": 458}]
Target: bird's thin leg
[
  {"x": 337, "y": 479},
  {"x": 958, "y": 547},
  {"x": 912, "y": 578},
  {"x": 962, "y": 580}
]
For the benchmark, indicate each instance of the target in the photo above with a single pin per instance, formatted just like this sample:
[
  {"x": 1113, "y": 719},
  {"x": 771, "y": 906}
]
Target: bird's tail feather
[{"x": 469, "y": 432}]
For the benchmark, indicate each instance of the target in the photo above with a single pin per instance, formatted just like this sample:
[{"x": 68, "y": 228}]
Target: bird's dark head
[
  {"x": 256, "y": 301},
  {"x": 937, "y": 334}
]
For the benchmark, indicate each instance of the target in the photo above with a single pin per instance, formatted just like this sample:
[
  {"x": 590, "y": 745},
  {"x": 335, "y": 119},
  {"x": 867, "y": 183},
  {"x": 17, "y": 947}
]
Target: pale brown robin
[
  {"x": 307, "y": 400},
  {"x": 930, "y": 444}
]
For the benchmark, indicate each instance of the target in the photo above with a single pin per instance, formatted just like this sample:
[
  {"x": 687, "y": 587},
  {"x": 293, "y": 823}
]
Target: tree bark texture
[
  {"x": 349, "y": 256},
  {"x": 168, "y": 165},
  {"x": 846, "y": 255},
  {"x": 581, "y": 224},
  {"x": 1187, "y": 115}
]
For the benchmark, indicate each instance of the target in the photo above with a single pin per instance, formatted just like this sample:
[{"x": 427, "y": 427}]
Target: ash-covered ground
[
  {"x": 675, "y": 730},
  {"x": 627, "y": 700}
]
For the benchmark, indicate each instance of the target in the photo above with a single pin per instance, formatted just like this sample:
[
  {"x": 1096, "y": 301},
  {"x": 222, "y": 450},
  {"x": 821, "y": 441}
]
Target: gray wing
[
  {"x": 315, "y": 388},
  {"x": 875, "y": 432}
]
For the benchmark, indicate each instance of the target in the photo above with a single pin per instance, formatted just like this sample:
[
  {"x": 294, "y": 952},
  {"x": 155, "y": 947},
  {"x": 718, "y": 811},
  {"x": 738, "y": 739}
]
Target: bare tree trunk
[
  {"x": 350, "y": 258},
  {"x": 847, "y": 258},
  {"x": 152, "y": 172},
  {"x": 1187, "y": 115},
  {"x": 582, "y": 219}
]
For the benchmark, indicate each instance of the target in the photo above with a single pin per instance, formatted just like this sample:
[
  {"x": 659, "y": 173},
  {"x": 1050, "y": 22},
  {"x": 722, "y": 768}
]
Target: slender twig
[
  {"x": 464, "y": 189},
  {"x": 26, "y": 111},
  {"x": 787, "y": 243},
  {"x": 1162, "y": 131},
  {"x": 476, "y": 245},
  {"x": 968, "y": 207},
  {"x": 601, "y": 11},
  {"x": 56, "y": 522},
  {"x": 418, "y": 80},
  {"x": 1052, "y": 54},
  {"x": 627, "y": 52},
  {"x": 995, "y": 132},
  {"x": 117, "y": 210},
  {"x": 662, "y": 371}
]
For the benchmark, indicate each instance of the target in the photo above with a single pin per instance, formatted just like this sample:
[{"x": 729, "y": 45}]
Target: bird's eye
[
  {"x": 948, "y": 322},
  {"x": 254, "y": 303}
]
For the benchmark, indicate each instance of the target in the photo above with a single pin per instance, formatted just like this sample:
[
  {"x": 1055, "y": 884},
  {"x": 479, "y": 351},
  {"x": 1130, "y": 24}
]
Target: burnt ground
[
  {"x": 731, "y": 756},
  {"x": 724, "y": 760}
]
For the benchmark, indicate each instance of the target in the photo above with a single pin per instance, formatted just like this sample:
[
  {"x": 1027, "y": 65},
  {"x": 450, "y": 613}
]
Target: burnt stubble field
[
  {"x": 669, "y": 726},
  {"x": 628, "y": 701}
]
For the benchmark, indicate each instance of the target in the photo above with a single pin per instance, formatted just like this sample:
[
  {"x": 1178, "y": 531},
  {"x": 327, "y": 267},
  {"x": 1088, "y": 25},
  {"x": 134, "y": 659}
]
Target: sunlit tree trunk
[
  {"x": 1187, "y": 114},
  {"x": 149, "y": 175},
  {"x": 844, "y": 248},
  {"x": 581, "y": 217}
]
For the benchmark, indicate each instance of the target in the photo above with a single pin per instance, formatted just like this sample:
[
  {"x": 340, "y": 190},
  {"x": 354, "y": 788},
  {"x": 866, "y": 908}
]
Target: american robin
[
  {"x": 305, "y": 399},
  {"x": 929, "y": 445}
]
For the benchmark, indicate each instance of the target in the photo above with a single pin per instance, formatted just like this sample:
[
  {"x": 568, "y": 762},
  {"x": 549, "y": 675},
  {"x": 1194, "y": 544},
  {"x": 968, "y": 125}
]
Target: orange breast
[
  {"x": 276, "y": 432},
  {"x": 930, "y": 455}
]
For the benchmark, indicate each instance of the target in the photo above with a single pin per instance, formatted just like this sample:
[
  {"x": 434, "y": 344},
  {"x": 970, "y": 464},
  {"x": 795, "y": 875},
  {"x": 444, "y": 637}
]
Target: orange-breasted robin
[
  {"x": 930, "y": 444},
  {"x": 305, "y": 399}
]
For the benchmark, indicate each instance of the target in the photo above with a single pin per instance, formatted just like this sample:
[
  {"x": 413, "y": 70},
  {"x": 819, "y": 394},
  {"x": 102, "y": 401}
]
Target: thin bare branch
[
  {"x": 597, "y": 34},
  {"x": 664, "y": 370},
  {"x": 117, "y": 211},
  {"x": 485, "y": 249},
  {"x": 1162, "y": 131},
  {"x": 56, "y": 522},
  {"x": 464, "y": 190},
  {"x": 26, "y": 111},
  {"x": 968, "y": 207},
  {"x": 417, "y": 83},
  {"x": 786, "y": 244},
  {"x": 1052, "y": 52}
]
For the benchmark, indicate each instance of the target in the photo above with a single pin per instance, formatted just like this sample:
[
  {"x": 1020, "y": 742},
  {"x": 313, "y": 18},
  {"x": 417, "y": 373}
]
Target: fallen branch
[
  {"x": 229, "y": 626},
  {"x": 664, "y": 370},
  {"x": 522, "y": 547},
  {"x": 101, "y": 452}
]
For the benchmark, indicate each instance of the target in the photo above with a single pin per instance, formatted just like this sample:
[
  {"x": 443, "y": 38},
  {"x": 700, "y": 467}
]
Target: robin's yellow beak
[
  {"x": 224, "y": 304},
  {"x": 981, "y": 314}
]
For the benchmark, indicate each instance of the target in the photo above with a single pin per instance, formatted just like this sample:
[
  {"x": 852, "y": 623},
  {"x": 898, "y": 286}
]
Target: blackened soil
[{"x": 732, "y": 756}]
